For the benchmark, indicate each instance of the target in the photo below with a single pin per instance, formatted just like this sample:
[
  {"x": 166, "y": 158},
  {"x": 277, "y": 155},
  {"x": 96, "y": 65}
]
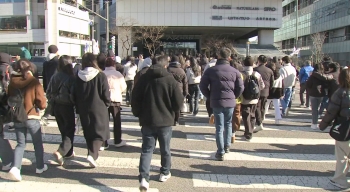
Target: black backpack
[
  {"x": 251, "y": 87},
  {"x": 16, "y": 111}
]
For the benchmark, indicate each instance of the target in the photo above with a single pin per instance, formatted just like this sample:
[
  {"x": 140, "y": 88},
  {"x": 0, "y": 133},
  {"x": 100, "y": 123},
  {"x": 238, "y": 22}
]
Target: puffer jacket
[
  {"x": 60, "y": 89},
  {"x": 116, "y": 83},
  {"x": 338, "y": 108},
  {"x": 180, "y": 76}
]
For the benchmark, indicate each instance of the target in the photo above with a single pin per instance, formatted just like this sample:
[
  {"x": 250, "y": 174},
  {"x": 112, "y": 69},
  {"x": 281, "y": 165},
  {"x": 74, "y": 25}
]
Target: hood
[
  {"x": 18, "y": 82},
  {"x": 157, "y": 71},
  {"x": 50, "y": 56},
  {"x": 5, "y": 58},
  {"x": 175, "y": 64},
  {"x": 146, "y": 63},
  {"x": 26, "y": 54},
  {"x": 248, "y": 68},
  {"x": 88, "y": 73}
]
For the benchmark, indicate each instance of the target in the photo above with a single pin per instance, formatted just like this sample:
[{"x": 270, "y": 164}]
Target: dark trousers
[
  {"x": 236, "y": 118},
  {"x": 65, "y": 118},
  {"x": 193, "y": 98},
  {"x": 209, "y": 109},
  {"x": 149, "y": 136},
  {"x": 129, "y": 86},
  {"x": 301, "y": 94},
  {"x": 6, "y": 152},
  {"x": 177, "y": 116},
  {"x": 117, "y": 126},
  {"x": 260, "y": 110},
  {"x": 93, "y": 147},
  {"x": 248, "y": 116}
]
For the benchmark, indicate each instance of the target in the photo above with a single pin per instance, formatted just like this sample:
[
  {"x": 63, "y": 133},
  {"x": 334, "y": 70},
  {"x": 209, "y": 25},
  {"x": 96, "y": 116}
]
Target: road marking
[
  {"x": 261, "y": 182},
  {"x": 266, "y": 140},
  {"x": 53, "y": 123},
  {"x": 35, "y": 186},
  {"x": 258, "y": 157}
]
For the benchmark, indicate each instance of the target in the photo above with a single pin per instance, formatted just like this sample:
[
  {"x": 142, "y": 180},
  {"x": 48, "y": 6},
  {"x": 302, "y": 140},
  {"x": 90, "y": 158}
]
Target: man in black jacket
[
  {"x": 155, "y": 99},
  {"x": 267, "y": 76},
  {"x": 50, "y": 66}
]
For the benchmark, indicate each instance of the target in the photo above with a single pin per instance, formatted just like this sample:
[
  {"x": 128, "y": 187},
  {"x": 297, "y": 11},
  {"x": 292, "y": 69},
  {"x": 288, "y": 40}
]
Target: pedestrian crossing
[{"x": 289, "y": 156}]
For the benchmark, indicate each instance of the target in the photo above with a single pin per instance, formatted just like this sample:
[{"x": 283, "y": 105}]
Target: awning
[{"x": 256, "y": 50}]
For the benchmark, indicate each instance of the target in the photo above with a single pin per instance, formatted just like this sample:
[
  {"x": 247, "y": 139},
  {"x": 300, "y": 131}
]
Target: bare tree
[
  {"x": 317, "y": 46},
  {"x": 125, "y": 29},
  {"x": 213, "y": 42},
  {"x": 151, "y": 37}
]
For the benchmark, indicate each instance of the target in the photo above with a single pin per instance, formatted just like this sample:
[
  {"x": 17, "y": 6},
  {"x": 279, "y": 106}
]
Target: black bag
[
  {"x": 341, "y": 132},
  {"x": 16, "y": 111},
  {"x": 251, "y": 87}
]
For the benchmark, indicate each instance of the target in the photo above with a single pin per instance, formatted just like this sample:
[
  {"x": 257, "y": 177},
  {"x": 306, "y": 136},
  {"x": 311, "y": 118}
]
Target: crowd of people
[{"x": 158, "y": 89}]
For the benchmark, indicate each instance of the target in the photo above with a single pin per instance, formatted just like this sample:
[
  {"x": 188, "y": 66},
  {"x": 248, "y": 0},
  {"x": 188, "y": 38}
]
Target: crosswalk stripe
[
  {"x": 34, "y": 186},
  {"x": 254, "y": 156},
  {"x": 261, "y": 182},
  {"x": 267, "y": 140}
]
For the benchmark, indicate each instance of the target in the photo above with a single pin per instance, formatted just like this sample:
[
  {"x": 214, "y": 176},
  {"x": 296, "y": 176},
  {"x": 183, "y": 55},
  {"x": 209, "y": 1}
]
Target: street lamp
[{"x": 248, "y": 49}]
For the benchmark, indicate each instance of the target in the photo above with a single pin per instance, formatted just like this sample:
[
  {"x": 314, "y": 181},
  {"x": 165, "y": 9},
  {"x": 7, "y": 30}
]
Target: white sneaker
[
  {"x": 121, "y": 144},
  {"x": 59, "y": 158},
  {"x": 102, "y": 148},
  {"x": 338, "y": 185},
  {"x": 259, "y": 128},
  {"x": 144, "y": 185},
  {"x": 15, "y": 174},
  {"x": 163, "y": 178},
  {"x": 92, "y": 162},
  {"x": 6, "y": 167},
  {"x": 39, "y": 171},
  {"x": 314, "y": 126}
]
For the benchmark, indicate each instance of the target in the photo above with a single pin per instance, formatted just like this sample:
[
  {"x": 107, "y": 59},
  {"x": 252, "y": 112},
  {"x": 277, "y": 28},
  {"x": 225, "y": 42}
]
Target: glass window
[
  {"x": 41, "y": 22},
  {"x": 41, "y": 1},
  {"x": 13, "y": 23}
]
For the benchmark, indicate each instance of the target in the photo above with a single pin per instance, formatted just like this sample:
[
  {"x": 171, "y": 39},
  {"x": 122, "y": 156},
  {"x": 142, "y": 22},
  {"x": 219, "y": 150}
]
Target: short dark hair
[
  {"x": 344, "y": 78},
  {"x": 162, "y": 60},
  {"x": 110, "y": 62},
  {"x": 333, "y": 66},
  {"x": 74, "y": 60},
  {"x": 262, "y": 59},
  {"x": 65, "y": 65},
  {"x": 89, "y": 60},
  {"x": 248, "y": 61},
  {"x": 286, "y": 59},
  {"x": 225, "y": 53}
]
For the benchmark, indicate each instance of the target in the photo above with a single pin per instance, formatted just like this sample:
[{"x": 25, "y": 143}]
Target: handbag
[
  {"x": 51, "y": 103},
  {"x": 184, "y": 107},
  {"x": 341, "y": 132}
]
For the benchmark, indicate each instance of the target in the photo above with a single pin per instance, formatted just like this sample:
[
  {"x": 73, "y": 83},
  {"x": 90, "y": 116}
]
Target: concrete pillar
[
  {"x": 51, "y": 31},
  {"x": 265, "y": 37}
]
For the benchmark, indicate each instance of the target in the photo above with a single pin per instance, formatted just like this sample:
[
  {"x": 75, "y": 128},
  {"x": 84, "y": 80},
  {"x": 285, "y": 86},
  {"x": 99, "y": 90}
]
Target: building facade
[
  {"x": 188, "y": 20},
  {"x": 37, "y": 24},
  {"x": 329, "y": 17}
]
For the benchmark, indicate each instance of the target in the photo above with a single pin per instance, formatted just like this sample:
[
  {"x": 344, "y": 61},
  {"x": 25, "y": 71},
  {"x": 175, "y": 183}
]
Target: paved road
[{"x": 289, "y": 157}]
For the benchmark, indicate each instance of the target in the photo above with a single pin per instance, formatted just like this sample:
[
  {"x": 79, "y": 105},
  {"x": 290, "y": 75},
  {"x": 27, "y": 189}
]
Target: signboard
[
  {"x": 217, "y": 17},
  {"x": 227, "y": 7}
]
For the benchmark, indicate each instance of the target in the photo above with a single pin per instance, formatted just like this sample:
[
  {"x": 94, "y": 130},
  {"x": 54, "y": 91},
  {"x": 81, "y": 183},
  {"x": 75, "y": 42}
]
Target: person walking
[
  {"x": 156, "y": 116},
  {"x": 50, "y": 66},
  {"x": 305, "y": 73},
  {"x": 222, "y": 84},
  {"x": 268, "y": 78},
  {"x": 117, "y": 85},
  {"x": 147, "y": 63},
  {"x": 60, "y": 94},
  {"x": 207, "y": 101},
  {"x": 180, "y": 76},
  {"x": 253, "y": 84},
  {"x": 23, "y": 82},
  {"x": 92, "y": 98},
  {"x": 338, "y": 110},
  {"x": 193, "y": 73},
  {"x": 288, "y": 74},
  {"x": 118, "y": 66},
  {"x": 130, "y": 70},
  {"x": 140, "y": 62}
]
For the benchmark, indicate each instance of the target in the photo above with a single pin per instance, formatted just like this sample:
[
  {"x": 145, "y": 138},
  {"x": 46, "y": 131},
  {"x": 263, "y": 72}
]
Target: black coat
[
  {"x": 139, "y": 74},
  {"x": 180, "y": 76},
  {"x": 156, "y": 97},
  {"x": 49, "y": 69},
  {"x": 267, "y": 76},
  {"x": 92, "y": 100},
  {"x": 60, "y": 89},
  {"x": 316, "y": 84}
]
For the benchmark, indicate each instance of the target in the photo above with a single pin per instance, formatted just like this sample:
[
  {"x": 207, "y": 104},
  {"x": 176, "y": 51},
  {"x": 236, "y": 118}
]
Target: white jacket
[
  {"x": 191, "y": 77},
  {"x": 130, "y": 71},
  {"x": 116, "y": 84},
  {"x": 288, "y": 74},
  {"x": 212, "y": 63},
  {"x": 250, "y": 71}
]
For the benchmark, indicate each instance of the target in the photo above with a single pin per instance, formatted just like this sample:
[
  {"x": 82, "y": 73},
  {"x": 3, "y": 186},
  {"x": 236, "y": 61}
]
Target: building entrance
[{"x": 186, "y": 48}]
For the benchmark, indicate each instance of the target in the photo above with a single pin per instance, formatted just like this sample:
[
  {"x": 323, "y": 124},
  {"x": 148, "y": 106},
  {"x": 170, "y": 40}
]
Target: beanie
[{"x": 52, "y": 49}]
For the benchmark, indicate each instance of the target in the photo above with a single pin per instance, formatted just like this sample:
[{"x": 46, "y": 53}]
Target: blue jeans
[
  {"x": 6, "y": 152},
  {"x": 324, "y": 105},
  {"x": 223, "y": 125},
  {"x": 149, "y": 136},
  {"x": 286, "y": 99},
  {"x": 33, "y": 127},
  {"x": 193, "y": 98}
]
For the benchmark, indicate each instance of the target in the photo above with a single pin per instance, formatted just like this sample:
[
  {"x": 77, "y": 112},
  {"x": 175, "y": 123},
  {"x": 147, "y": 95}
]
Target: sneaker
[
  {"x": 176, "y": 123},
  {"x": 121, "y": 144},
  {"x": 314, "y": 126},
  {"x": 104, "y": 147},
  {"x": 227, "y": 149},
  {"x": 233, "y": 139},
  {"x": 259, "y": 128},
  {"x": 15, "y": 174},
  {"x": 6, "y": 167},
  {"x": 302, "y": 105},
  {"x": 92, "y": 162},
  {"x": 144, "y": 185},
  {"x": 338, "y": 185},
  {"x": 71, "y": 156},
  {"x": 219, "y": 157},
  {"x": 163, "y": 178},
  {"x": 248, "y": 137},
  {"x": 39, "y": 171},
  {"x": 59, "y": 158}
]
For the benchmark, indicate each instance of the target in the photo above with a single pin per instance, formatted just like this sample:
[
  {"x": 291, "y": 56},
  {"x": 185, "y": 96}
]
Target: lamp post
[{"x": 248, "y": 49}]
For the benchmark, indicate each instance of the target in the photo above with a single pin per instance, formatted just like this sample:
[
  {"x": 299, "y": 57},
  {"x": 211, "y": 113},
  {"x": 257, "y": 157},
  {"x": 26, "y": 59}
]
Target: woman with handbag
[
  {"x": 60, "y": 95},
  {"x": 339, "y": 110}
]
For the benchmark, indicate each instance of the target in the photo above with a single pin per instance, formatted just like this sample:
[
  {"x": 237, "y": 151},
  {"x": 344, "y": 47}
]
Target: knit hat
[
  {"x": 248, "y": 61},
  {"x": 146, "y": 63},
  {"x": 52, "y": 49},
  {"x": 118, "y": 59}
]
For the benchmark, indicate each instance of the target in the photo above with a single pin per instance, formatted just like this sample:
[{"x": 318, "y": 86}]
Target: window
[
  {"x": 12, "y": 1},
  {"x": 41, "y": 1},
  {"x": 13, "y": 23},
  {"x": 41, "y": 21},
  {"x": 69, "y": 2}
]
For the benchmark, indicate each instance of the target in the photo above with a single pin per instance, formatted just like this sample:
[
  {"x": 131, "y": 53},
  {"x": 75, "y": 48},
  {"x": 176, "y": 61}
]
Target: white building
[
  {"x": 38, "y": 24},
  {"x": 188, "y": 20}
]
